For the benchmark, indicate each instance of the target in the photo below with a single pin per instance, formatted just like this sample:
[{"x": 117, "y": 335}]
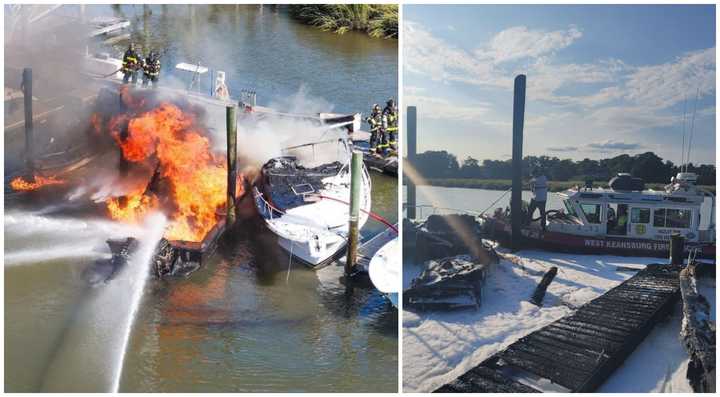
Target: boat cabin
[{"x": 627, "y": 210}]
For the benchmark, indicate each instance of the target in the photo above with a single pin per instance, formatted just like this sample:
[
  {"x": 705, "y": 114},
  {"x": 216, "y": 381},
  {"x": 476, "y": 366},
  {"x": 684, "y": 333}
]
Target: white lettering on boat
[{"x": 628, "y": 244}]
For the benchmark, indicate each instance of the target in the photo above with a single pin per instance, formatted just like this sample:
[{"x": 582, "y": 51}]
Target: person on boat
[
  {"x": 375, "y": 121},
  {"x": 538, "y": 186},
  {"x": 390, "y": 123},
  {"x": 151, "y": 69},
  {"x": 130, "y": 64},
  {"x": 622, "y": 220}
]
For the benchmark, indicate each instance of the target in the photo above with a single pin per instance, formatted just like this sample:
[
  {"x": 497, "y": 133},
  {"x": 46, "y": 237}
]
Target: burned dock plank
[
  {"x": 580, "y": 351},
  {"x": 484, "y": 380}
]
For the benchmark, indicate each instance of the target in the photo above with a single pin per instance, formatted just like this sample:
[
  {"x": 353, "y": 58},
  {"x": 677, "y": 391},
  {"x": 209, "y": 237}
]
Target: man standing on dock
[
  {"x": 130, "y": 64},
  {"x": 375, "y": 121},
  {"x": 151, "y": 69},
  {"x": 538, "y": 186},
  {"x": 390, "y": 123}
]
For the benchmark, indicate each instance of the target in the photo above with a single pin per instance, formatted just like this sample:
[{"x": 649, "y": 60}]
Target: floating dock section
[{"x": 579, "y": 352}]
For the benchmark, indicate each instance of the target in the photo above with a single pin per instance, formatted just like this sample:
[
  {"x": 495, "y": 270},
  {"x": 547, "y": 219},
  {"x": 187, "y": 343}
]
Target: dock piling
[
  {"x": 411, "y": 156},
  {"x": 677, "y": 249},
  {"x": 353, "y": 233},
  {"x": 231, "y": 122},
  {"x": 516, "y": 196},
  {"x": 29, "y": 136}
]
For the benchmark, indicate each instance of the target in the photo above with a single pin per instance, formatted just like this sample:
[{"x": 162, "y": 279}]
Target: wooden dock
[{"x": 579, "y": 352}]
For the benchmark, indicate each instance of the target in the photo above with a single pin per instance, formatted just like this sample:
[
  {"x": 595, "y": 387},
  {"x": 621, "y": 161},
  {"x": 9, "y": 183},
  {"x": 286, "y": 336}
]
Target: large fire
[
  {"x": 20, "y": 184},
  {"x": 190, "y": 181},
  {"x": 196, "y": 177}
]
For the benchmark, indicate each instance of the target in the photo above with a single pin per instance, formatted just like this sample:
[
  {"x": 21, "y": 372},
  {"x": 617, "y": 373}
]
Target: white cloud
[
  {"x": 664, "y": 85},
  {"x": 580, "y": 102},
  {"x": 520, "y": 42},
  {"x": 443, "y": 109}
]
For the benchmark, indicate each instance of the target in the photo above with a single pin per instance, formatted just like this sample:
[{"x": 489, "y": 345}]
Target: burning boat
[
  {"x": 623, "y": 220},
  {"x": 303, "y": 198}
]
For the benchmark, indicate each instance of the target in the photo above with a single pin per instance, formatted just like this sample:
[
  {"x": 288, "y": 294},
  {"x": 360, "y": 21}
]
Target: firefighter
[
  {"x": 390, "y": 120},
  {"x": 151, "y": 69},
  {"x": 130, "y": 64},
  {"x": 375, "y": 121}
]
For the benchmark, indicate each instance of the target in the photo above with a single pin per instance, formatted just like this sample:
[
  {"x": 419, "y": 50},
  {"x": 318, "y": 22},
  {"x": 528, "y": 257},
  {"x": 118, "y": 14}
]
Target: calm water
[
  {"x": 243, "y": 322},
  {"x": 451, "y": 199},
  {"x": 261, "y": 48}
]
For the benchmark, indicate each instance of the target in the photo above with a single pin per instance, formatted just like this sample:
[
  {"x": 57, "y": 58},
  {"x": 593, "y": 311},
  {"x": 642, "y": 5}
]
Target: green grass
[
  {"x": 505, "y": 184},
  {"x": 377, "y": 20}
]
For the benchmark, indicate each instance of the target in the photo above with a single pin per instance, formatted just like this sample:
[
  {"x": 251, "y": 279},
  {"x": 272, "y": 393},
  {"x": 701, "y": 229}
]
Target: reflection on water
[{"x": 242, "y": 323}]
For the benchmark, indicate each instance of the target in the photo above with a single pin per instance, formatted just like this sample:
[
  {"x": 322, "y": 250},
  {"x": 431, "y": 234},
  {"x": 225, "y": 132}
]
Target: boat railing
[{"x": 267, "y": 208}]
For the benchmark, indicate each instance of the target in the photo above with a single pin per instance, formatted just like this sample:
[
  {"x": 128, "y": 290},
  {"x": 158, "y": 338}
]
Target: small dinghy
[
  {"x": 304, "y": 195},
  {"x": 384, "y": 270}
]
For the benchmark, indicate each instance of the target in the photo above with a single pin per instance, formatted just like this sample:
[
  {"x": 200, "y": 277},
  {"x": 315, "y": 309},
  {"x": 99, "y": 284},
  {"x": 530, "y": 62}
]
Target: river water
[
  {"x": 448, "y": 200},
  {"x": 242, "y": 322}
]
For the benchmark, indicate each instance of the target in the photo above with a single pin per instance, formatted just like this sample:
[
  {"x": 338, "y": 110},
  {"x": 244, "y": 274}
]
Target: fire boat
[
  {"x": 624, "y": 220},
  {"x": 303, "y": 198}
]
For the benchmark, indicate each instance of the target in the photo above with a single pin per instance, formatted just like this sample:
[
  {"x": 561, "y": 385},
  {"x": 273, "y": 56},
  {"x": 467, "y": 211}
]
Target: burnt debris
[
  {"x": 287, "y": 183},
  {"x": 447, "y": 284},
  {"x": 442, "y": 236},
  {"x": 104, "y": 270}
]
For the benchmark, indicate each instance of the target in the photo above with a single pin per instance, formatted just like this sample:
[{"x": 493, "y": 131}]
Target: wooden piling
[
  {"x": 411, "y": 156},
  {"x": 516, "y": 196},
  {"x": 231, "y": 122},
  {"x": 677, "y": 249},
  {"x": 540, "y": 290},
  {"x": 353, "y": 233},
  {"x": 29, "y": 136}
]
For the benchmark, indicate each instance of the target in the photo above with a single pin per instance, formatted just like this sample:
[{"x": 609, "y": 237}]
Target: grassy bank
[
  {"x": 505, "y": 184},
  {"x": 377, "y": 20}
]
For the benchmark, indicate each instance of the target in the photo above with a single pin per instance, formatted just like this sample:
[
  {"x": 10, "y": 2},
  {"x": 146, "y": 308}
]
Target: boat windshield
[
  {"x": 569, "y": 208},
  {"x": 314, "y": 154}
]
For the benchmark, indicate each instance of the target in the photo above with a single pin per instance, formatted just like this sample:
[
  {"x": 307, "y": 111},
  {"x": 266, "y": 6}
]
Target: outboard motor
[{"x": 624, "y": 182}]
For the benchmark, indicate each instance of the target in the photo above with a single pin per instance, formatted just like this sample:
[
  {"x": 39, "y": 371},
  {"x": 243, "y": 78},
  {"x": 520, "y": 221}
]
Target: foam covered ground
[{"x": 439, "y": 347}]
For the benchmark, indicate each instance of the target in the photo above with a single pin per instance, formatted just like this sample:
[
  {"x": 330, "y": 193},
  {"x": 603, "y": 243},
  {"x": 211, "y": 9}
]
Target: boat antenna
[
  {"x": 692, "y": 127},
  {"x": 682, "y": 154}
]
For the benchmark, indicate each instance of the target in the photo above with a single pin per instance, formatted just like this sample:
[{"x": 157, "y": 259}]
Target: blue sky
[{"x": 602, "y": 80}]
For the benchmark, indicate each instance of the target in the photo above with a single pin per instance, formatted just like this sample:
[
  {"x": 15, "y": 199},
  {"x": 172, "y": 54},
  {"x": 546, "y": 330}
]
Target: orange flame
[
  {"x": 197, "y": 177},
  {"x": 19, "y": 184}
]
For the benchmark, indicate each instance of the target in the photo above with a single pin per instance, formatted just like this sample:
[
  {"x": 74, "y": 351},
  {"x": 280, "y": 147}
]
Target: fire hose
[{"x": 369, "y": 213}]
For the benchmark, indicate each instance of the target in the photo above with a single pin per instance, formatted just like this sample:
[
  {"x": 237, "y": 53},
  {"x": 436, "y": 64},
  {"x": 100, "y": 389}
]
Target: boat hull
[
  {"x": 300, "y": 252},
  {"x": 314, "y": 246},
  {"x": 603, "y": 245}
]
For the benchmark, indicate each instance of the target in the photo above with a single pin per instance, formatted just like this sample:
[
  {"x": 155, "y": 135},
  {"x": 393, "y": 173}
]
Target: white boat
[
  {"x": 304, "y": 196},
  {"x": 385, "y": 268}
]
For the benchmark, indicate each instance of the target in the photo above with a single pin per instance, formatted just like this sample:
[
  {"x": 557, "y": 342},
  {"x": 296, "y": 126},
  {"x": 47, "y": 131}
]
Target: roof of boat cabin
[{"x": 645, "y": 196}]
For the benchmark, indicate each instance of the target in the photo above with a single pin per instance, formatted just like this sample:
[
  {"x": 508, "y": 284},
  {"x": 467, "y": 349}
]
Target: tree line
[{"x": 648, "y": 166}]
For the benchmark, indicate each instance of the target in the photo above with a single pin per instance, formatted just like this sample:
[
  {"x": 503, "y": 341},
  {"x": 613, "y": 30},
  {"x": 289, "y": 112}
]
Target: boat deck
[{"x": 580, "y": 351}]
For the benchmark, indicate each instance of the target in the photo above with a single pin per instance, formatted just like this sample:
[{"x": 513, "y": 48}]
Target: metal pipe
[
  {"x": 29, "y": 138},
  {"x": 231, "y": 122},
  {"x": 353, "y": 233},
  {"x": 516, "y": 197},
  {"x": 412, "y": 157}
]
